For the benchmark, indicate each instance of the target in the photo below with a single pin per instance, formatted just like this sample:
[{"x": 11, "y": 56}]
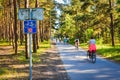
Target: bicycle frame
[
  {"x": 76, "y": 45},
  {"x": 91, "y": 56}
]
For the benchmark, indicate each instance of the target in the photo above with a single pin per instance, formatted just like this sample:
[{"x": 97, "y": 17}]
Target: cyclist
[
  {"x": 65, "y": 40},
  {"x": 92, "y": 45},
  {"x": 77, "y": 43}
]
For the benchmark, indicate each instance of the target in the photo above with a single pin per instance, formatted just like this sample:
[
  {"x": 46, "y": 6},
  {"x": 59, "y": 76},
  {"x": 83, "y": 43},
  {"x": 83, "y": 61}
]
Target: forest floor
[{"x": 50, "y": 66}]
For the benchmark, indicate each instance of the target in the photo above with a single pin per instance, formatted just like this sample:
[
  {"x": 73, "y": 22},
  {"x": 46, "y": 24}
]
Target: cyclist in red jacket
[{"x": 92, "y": 45}]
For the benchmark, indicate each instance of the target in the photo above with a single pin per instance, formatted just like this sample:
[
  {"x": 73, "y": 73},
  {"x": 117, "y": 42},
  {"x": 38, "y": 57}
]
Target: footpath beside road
[{"x": 78, "y": 67}]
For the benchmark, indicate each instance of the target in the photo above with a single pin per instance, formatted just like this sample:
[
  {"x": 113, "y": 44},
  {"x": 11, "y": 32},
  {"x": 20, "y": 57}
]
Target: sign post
[
  {"x": 30, "y": 16},
  {"x": 30, "y": 28}
]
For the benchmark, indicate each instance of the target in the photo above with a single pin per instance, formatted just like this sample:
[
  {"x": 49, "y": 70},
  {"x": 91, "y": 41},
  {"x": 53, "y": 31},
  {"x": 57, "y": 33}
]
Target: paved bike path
[{"x": 79, "y": 67}]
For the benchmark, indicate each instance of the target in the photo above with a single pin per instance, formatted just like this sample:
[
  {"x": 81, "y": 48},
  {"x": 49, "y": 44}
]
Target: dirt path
[{"x": 51, "y": 67}]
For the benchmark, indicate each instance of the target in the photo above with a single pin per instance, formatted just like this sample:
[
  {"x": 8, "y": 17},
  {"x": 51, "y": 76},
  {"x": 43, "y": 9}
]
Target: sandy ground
[{"x": 51, "y": 67}]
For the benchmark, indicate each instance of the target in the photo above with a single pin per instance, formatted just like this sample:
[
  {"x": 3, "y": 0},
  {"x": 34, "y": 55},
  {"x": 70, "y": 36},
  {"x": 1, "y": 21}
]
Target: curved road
[{"x": 79, "y": 67}]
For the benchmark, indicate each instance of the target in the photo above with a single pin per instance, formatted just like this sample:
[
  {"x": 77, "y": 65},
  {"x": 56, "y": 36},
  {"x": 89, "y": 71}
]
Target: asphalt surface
[{"x": 79, "y": 67}]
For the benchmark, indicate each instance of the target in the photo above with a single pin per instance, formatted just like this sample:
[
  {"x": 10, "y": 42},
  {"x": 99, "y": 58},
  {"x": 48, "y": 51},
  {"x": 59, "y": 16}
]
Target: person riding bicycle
[
  {"x": 65, "y": 40},
  {"x": 92, "y": 45},
  {"x": 77, "y": 43}
]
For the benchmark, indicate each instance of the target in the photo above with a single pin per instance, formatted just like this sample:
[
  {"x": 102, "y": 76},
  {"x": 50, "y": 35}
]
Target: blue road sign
[{"x": 30, "y": 26}]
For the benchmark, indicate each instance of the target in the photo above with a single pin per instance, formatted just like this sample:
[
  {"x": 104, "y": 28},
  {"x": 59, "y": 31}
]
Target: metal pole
[{"x": 30, "y": 49}]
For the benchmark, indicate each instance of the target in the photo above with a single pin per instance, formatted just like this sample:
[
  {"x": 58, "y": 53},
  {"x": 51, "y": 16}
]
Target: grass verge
[{"x": 107, "y": 51}]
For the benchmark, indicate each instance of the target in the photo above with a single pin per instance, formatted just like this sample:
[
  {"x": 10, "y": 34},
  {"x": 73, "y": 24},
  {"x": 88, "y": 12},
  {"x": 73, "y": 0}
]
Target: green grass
[
  {"x": 4, "y": 43},
  {"x": 107, "y": 51},
  {"x": 7, "y": 72},
  {"x": 3, "y": 71},
  {"x": 35, "y": 56}
]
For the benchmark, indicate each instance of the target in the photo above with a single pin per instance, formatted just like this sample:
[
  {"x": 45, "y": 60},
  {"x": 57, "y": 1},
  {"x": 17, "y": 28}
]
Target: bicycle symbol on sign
[{"x": 30, "y": 26}]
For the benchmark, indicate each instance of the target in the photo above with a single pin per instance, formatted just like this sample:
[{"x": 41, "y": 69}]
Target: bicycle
[
  {"x": 77, "y": 45},
  {"x": 91, "y": 56}
]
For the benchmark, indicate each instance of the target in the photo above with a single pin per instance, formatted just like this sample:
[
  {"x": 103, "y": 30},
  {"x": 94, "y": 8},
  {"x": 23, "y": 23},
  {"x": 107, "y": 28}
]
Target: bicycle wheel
[
  {"x": 93, "y": 57},
  {"x": 77, "y": 45},
  {"x": 88, "y": 55}
]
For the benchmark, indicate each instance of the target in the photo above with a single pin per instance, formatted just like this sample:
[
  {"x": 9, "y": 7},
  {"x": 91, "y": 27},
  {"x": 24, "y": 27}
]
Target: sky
[
  {"x": 58, "y": 10},
  {"x": 63, "y": 1},
  {"x": 60, "y": 1}
]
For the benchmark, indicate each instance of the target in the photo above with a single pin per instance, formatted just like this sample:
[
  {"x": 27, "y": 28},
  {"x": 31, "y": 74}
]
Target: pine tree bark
[
  {"x": 111, "y": 24},
  {"x": 15, "y": 27},
  {"x": 26, "y": 40}
]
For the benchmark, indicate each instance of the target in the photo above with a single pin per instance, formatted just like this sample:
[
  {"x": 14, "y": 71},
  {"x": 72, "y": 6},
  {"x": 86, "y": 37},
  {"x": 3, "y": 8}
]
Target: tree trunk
[
  {"x": 41, "y": 31},
  {"x": 34, "y": 35},
  {"x": 15, "y": 27},
  {"x": 26, "y": 40},
  {"x": 37, "y": 35},
  {"x": 21, "y": 33},
  {"x": 21, "y": 28},
  {"x": 111, "y": 24}
]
